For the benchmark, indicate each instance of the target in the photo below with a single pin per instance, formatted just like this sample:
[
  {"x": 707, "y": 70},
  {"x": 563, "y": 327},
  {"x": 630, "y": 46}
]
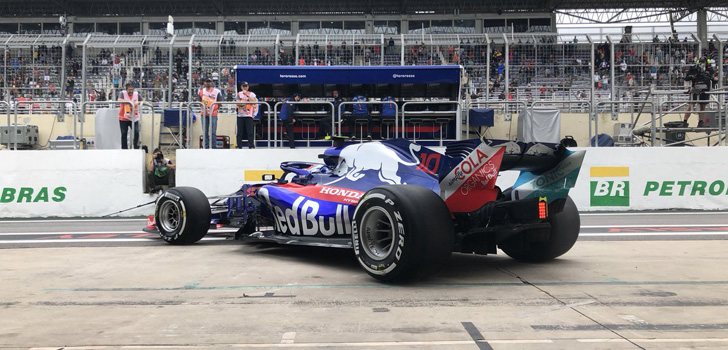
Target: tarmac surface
[{"x": 632, "y": 281}]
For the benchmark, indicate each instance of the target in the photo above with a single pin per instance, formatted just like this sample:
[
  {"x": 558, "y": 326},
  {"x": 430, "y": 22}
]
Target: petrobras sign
[
  {"x": 653, "y": 179},
  {"x": 71, "y": 183}
]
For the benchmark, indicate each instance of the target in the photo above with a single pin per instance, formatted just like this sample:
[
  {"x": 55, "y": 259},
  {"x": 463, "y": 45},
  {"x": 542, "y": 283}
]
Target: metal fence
[{"x": 527, "y": 68}]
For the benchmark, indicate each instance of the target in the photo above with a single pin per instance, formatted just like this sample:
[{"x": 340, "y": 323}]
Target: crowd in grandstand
[{"x": 537, "y": 68}]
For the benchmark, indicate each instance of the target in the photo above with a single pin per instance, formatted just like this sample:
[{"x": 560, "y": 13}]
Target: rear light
[{"x": 543, "y": 212}]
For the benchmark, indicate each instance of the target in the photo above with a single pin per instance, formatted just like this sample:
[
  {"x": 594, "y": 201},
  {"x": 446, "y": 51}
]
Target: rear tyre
[
  {"x": 182, "y": 215},
  {"x": 565, "y": 227},
  {"x": 401, "y": 232}
]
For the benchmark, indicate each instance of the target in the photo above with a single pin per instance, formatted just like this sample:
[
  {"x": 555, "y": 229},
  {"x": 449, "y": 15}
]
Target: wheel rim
[
  {"x": 170, "y": 216},
  {"x": 377, "y": 236}
]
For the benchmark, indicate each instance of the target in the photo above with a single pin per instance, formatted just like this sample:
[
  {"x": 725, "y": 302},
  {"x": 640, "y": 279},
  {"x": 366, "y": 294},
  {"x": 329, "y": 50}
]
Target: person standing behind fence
[
  {"x": 287, "y": 116},
  {"x": 247, "y": 110},
  {"x": 125, "y": 119},
  {"x": 209, "y": 94}
]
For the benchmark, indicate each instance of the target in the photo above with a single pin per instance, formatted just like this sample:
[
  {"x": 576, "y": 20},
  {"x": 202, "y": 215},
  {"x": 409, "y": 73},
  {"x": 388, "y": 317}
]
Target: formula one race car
[{"x": 401, "y": 207}]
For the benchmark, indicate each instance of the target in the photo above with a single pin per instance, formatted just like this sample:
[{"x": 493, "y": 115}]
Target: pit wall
[
  {"x": 572, "y": 124},
  {"x": 92, "y": 183}
]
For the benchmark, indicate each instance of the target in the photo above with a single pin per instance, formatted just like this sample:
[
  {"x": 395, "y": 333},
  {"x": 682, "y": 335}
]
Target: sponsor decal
[
  {"x": 303, "y": 217},
  {"x": 398, "y": 76},
  {"x": 609, "y": 186},
  {"x": 338, "y": 194},
  {"x": 32, "y": 195},
  {"x": 682, "y": 188},
  {"x": 471, "y": 183},
  {"x": 292, "y": 76},
  {"x": 374, "y": 156}
]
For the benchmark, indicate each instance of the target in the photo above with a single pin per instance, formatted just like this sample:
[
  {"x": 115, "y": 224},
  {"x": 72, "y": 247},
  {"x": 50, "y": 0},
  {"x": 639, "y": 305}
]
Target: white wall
[
  {"x": 71, "y": 183},
  {"x": 99, "y": 182}
]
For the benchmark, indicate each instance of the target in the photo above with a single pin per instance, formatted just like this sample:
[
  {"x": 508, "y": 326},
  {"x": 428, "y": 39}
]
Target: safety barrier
[{"x": 69, "y": 183}]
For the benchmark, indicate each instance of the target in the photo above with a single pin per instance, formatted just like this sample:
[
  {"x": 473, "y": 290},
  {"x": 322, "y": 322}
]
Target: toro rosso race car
[{"x": 401, "y": 207}]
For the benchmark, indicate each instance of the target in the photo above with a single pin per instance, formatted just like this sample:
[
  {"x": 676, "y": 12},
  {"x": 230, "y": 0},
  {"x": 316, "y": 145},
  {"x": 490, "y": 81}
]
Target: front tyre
[
  {"x": 182, "y": 215},
  {"x": 401, "y": 232},
  {"x": 565, "y": 227}
]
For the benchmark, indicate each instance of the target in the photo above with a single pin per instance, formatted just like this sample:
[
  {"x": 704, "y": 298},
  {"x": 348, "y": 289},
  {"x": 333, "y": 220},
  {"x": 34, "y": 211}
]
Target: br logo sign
[{"x": 609, "y": 186}]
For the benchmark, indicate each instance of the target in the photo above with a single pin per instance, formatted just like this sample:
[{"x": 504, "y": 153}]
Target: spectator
[
  {"x": 125, "y": 119},
  {"x": 161, "y": 172},
  {"x": 209, "y": 95},
  {"x": 70, "y": 86},
  {"x": 247, "y": 110}
]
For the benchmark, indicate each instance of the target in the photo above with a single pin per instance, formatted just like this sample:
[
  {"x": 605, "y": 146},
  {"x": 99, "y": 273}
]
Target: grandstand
[{"x": 510, "y": 53}]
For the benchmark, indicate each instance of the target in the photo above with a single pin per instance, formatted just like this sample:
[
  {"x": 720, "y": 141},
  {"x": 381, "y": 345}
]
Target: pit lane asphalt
[
  {"x": 128, "y": 231},
  {"x": 664, "y": 288}
]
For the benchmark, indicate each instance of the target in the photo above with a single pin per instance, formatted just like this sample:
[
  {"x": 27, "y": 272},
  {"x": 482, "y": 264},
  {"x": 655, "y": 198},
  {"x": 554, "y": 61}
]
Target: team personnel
[
  {"x": 125, "y": 119},
  {"x": 287, "y": 116},
  {"x": 247, "y": 110},
  {"x": 209, "y": 94}
]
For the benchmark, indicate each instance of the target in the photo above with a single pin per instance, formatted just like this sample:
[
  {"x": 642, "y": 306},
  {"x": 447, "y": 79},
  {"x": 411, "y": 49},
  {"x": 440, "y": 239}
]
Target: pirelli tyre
[
  {"x": 401, "y": 232},
  {"x": 182, "y": 215},
  {"x": 565, "y": 227}
]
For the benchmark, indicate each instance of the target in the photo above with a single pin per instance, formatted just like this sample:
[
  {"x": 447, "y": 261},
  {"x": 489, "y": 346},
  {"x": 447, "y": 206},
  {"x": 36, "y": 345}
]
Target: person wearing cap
[
  {"x": 247, "y": 110},
  {"x": 209, "y": 94}
]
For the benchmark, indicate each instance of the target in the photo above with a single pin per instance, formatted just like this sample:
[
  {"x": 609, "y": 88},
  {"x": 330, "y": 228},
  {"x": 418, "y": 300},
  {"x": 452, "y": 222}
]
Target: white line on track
[
  {"x": 94, "y": 240},
  {"x": 53, "y": 233},
  {"x": 656, "y": 226},
  {"x": 653, "y": 234},
  {"x": 54, "y": 221},
  {"x": 655, "y": 213}
]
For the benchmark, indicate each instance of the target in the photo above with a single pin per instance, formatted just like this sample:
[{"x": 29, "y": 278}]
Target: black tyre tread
[
  {"x": 429, "y": 228},
  {"x": 198, "y": 215},
  {"x": 564, "y": 233}
]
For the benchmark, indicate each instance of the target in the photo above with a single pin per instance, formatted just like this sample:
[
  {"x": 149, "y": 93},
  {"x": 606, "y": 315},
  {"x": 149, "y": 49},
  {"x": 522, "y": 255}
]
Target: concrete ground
[{"x": 652, "y": 293}]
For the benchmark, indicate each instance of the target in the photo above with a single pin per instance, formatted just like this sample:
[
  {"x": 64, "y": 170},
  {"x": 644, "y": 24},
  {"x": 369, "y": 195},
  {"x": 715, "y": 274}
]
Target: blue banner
[{"x": 348, "y": 74}]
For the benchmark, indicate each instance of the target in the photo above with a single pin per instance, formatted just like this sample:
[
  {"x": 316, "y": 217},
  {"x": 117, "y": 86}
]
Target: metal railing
[
  {"x": 593, "y": 116},
  {"x": 275, "y": 116},
  {"x": 82, "y": 117},
  {"x": 7, "y": 114},
  {"x": 65, "y": 103},
  {"x": 458, "y": 115},
  {"x": 236, "y": 103},
  {"x": 351, "y": 103}
]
